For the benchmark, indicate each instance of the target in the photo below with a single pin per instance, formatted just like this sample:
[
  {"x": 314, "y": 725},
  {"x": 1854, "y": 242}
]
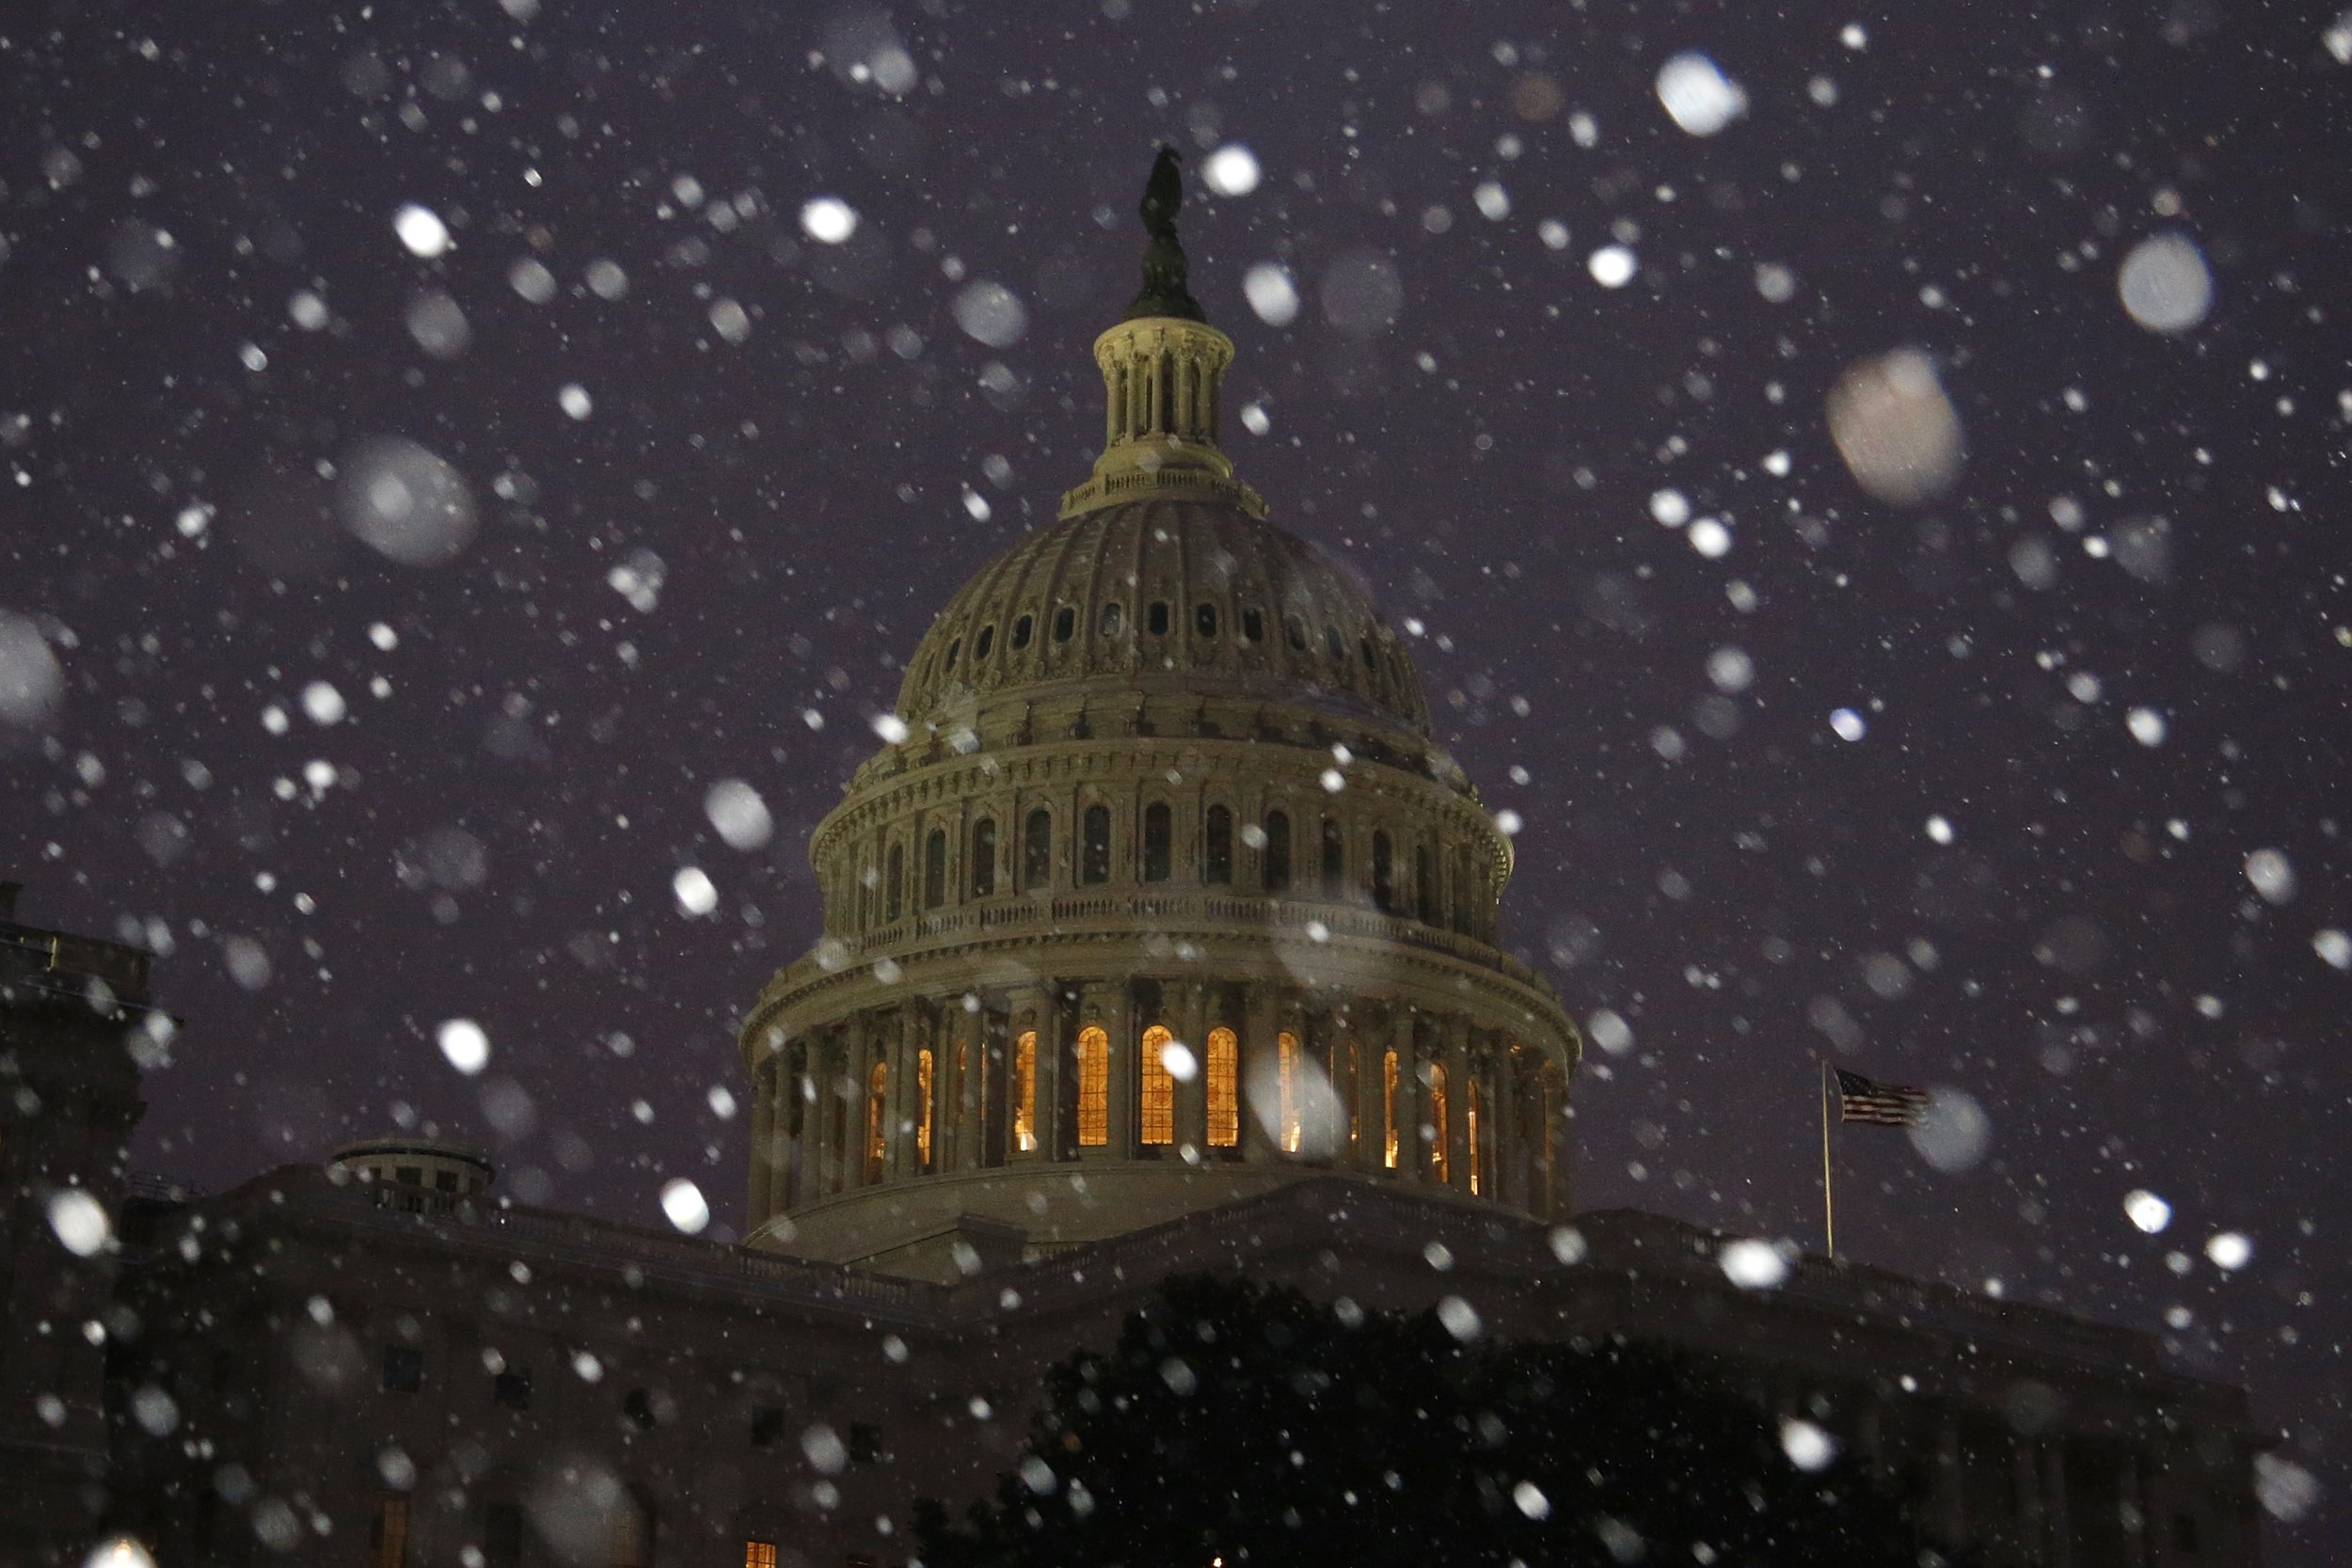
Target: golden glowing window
[
  {"x": 1094, "y": 1087},
  {"x": 392, "y": 1533},
  {"x": 1155, "y": 1099},
  {"x": 759, "y": 1553},
  {"x": 1441, "y": 1169},
  {"x": 1387, "y": 1107},
  {"x": 1288, "y": 1044},
  {"x": 1224, "y": 1089},
  {"x": 923, "y": 1108},
  {"x": 877, "y": 1089},
  {"x": 1025, "y": 1093},
  {"x": 1477, "y": 1155}
]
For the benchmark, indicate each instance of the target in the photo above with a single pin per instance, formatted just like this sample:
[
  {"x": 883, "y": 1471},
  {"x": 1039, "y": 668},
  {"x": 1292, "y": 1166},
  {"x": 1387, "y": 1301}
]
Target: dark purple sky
[{"x": 2143, "y": 521}]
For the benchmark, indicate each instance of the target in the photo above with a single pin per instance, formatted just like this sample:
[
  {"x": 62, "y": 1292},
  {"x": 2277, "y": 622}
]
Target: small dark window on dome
[
  {"x": 1066, "y": 621},
  {"x": 1253, "y": 626},
  {"x": 955, "y": 646},
  {"x": 981, "y": 644},
  {"x": 1204, "y": 619},
  {"x": 1114, "y": 620},
  {"x": 1295, "y": 629},
  {"x": 1371, "y": 664},
  {"x": 1157, "y": 618},
  {"x": 1331, "y": 644},
  {"x": 1021, "y": 632}
]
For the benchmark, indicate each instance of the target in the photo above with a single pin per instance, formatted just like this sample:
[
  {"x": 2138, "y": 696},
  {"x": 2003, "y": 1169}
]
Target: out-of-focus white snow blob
[
  {"x": 31, "y": 683},
  {"x": 606, "y": 278},
  {"x": 696, "y": 894},
  {"x": 1300, "y": 1113},
  {"x": 122, "y": 1552},
  {"x": 2272, "y": 875},
  {"x": 1181, "y": 1065},
  {"x": 1940, "y": 829},
  {"x": 1710, "y": 538},
  {"x": 1670, "y": 507},
  {"x": 824, "y": 1450},
  {"x": 2147, "y": 727},
  {"x": 1848, "y": 725},
  {"x": 1362, "y": 291},
  {"x": 730, "y": 320},
  {"x": 1953, "y": 1131},
  {"x": 439, "y": 325},
  {"x": 529, "y": 278},
  {"x": 1232, "y": 171},
  {"x": 465, "y": 1045},
  {"x": 1568, "y": 1244},
  {"x": 2334, "y": 947},
  {"x": 683, "y": 1204},
  {"x": 323, "y": 703},
  {"x": 79, "y": 1222},
  {"x": 1529, "y": 1501},
  {"x": 992, "y": 313},
  {"x": 738, "y": 813},
  {"x": 1553, "y": 233},
  {"x": 1610, "y": 1031},
  {"x": 2147, "y": 1211},
  {"x": 1254, "y": 419},
  {"x": 1753, "y": 1265},
  {"x": 248, "y": 962},
  {"x": 421, "y": 230},
  {"x": 1460, "y": 1318},
  {"x": 574, "y": 400},
  {"x": 1776, "y": 282},
  {"x": 2230, "y": 1251},
  {"x": 1895, "y": 427},
  {"x": 1492, "y": 200},
  {"x": 308, "y": 311},
  {"x": 1731, "y": 668},
  {"x": 1807, "y": 1446},
  {"x": 1271, "y": 293},
  {"x": 1612, "y": 267},
  {"x": 828, "y": 219},
  {"x": 891, "y": 728},
  {"x": 2288, "y": 1492},
  {"x": 403, "y": 502},
  {"x": 2165, "y": 283},
  {"x": 2338, "y": 38},
  {"x": 638, "y": 576},
  {"x": 1697, "y": 95}
]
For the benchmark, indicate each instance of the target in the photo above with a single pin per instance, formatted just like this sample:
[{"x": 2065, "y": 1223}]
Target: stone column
[
  {"x": 760, "y": 1200},
  {"x": 1260, "y": 1063},
  {"x": 1400, "y": 1039},
  {"x": 900, "y": 1097},
  {"x": 1457, "y": 1074},
  {"x": 967, "y": 1052},
  {"x": 1115, "y": 1008},
  {"x": 1031, "y": 1008},
  {"x": 2025, "y": 1482},
  {"x": 1189, "y": 1017},
  {"x": 825, "y": 1077},
  {"x": 1952, "y": 1518}
]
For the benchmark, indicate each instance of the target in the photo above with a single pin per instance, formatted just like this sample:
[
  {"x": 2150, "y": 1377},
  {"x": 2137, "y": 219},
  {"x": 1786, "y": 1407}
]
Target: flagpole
[{"x": 1829, "y": 1200}]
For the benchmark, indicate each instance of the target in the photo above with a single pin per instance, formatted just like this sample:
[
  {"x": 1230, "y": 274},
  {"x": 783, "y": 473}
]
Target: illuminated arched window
[
  {"x": 876, "y": 1087},
  {"x": 1477, "y": 1155},
  {"x": 1024, "y": 1092},
  {"x": 1094, "y": 1087},
  {"x": 923, "y": 1110},
  {"x": 1441, "y": 1169},
  {"x": 1388, "y": 1109},
  {"x": 1155, "y": 1094},
  {"x": 1287, "y": 1044},
  {"x": 1224, "y": 1089}
]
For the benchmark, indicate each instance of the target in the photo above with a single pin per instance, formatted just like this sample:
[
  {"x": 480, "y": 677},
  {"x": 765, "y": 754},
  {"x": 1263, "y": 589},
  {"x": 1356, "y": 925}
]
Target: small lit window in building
[
  {"x": 983, "y": 858},
  {"x": 1094, "y": 851},
  {"x": 1477, "y": 1155},
  {"x": 935, "y": 868},
  {"x": 1020, "y": 632},
  {"x": 1441, "y": 1169},
  {"x": 1155, "y": 1097},
  {"x": 388, "y": 1534},
  {"x": 923, "y": 1109},
  {"x": 1291, "y": 1065},
  {"x": 1278, "y": 851},
  {"x": 1217, "y": 849},
  {"x": 1024, "y": 1092},
  {"x": 759, "y": 1553},
  {"x": 1388, "y": 1109},
  {"x": 876, "y": 1087},
  {"x": 1156, "y": 842},
  {"x": 1204, "y": 620},
  {"x": 1036, "y": 850},
  {"x": 1156, "y": 620},
  {"x": 1094, "y": 1087},
  {"x": 1224, "y": 1089},
  {"x": 1065, "y": 622},
  {"x": 632, "y": 1533}
]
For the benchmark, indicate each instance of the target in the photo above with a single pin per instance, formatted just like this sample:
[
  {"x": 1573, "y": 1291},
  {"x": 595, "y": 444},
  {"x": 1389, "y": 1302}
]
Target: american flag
[{"x": 1861, "y": 1098}]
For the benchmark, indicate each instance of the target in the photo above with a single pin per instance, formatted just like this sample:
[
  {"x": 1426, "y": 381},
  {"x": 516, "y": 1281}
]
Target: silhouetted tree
[{"x": 1240, "y": 1425}]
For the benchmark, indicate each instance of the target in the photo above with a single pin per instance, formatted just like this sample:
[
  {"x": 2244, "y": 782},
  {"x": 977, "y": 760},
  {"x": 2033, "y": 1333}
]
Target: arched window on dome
[
  {"x": 1094, "y": 1087},
  {"x": 1037, "y": 851},
  {"x": 1065, "y": 623},
  {"x": 1294, "y": 629},
  {"x": 1155, "y": 1090},
  {"x": 1253, "y": 624},
  {"x": 1334, "y": 859},
  {"x": 1383, "y": 874},
  {"x": 1440, "y": 1167},
  {"x": 1024, "y": 1092},
  {"x": 1388, "y": 1110},
  {"x": 1277, "y": 854},
  {"x": 1290, "y": 1061},
  {"x": 1224, "y": 1072},
  {"x": 981, "y": 644},
  {"x": 1372, "y": 665},
  {"x": 895, "y": 883},
  {"x": 1217, "y": 850},
  {"x": 1337, "y": 649},
  {"x": 984, "y": 857},
  {"x": 1156, "y": 620},
  {"x": 1020, "y": 632},
  {"x": 1114, "y": 620},
  {"x": 955, "y": 646},
  {"x": 1204, "y": 619},
  {"x": 1158, "y": 845},
  {"x": 1095, "y": 845},
  {"x": 876, "y": 1090},
  {"x": 923, "y": 1110},
  {"x": 935, "y": 868}
]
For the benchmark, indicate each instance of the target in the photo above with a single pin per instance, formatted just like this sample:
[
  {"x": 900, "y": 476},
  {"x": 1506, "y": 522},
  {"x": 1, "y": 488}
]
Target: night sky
[{"x": 721, "y": 472}]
